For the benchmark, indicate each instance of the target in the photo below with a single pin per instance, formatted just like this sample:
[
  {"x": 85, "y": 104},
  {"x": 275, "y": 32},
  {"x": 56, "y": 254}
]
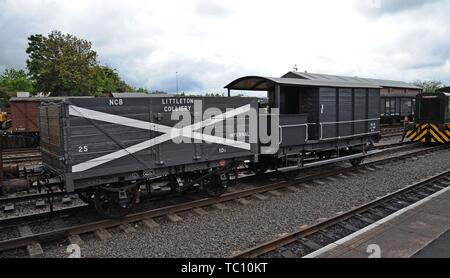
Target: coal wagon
[{"x": 106, "y": 148}]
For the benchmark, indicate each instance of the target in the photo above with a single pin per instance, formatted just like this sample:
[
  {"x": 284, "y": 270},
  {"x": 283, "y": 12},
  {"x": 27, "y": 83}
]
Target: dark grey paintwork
[
  {"x": 293, "y": 131},
  {"x": 339, "y": 113},
  {"x": 69, "y": 140},
  {"x": 392, "y": 106},
  {"x": 328, "y": 77},
  {"x": 259, "y": 83},
  {"x": 345, "y": 112}
]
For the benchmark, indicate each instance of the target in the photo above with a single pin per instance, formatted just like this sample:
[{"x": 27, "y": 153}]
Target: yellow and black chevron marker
[{"x": 429, "y": 133}]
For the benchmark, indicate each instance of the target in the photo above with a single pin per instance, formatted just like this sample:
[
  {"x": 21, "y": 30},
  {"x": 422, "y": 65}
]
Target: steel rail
[
  {"x": 136, "y": 217},
  {"x": 27, "y": 197},
  {"x": 277, "y": 243}
]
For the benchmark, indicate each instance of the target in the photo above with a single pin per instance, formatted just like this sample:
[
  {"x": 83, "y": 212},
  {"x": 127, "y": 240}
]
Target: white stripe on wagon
[
  {"x": 170, "y": 133},
  {"x": 114, "y": 119}
]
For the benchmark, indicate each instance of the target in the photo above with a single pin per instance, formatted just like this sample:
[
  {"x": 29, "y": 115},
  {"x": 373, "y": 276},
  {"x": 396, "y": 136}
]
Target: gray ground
[
  {"x": 439, "y": 248},
  {"x": 222, "y": 233}
]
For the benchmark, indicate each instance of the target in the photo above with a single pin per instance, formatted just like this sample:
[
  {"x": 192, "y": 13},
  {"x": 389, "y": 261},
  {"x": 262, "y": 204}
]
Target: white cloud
[{"x": 212, "y": 42}]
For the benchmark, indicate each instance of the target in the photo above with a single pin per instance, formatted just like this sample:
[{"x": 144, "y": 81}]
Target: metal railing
[
  {"x": 346, "y": 122},
  {"x": 281, "y": 127},
  {"x": 290, "y": 126}
]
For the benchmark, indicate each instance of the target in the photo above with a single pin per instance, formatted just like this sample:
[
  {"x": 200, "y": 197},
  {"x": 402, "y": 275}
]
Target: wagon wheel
[
  {"x": 108, "y": 204},
  {"x": 87, "y": 197},
  {"x": 357, "y": 161},
  {"x": 258, "y": 168},
  {"x": 214, "y": 186}
]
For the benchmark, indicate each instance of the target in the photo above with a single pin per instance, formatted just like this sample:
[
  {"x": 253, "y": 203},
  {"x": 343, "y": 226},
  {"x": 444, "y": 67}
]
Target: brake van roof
[{"x": 260, "y": 83}]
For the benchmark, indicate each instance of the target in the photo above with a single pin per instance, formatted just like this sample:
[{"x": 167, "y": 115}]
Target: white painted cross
[{"x": 169, "y": 133}]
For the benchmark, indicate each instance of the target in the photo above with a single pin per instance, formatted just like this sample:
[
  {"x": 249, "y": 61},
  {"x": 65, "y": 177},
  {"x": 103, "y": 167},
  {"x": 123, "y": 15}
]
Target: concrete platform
[
  {"x": 439, "y": 248},
  {"x": 421, "y": 230}
]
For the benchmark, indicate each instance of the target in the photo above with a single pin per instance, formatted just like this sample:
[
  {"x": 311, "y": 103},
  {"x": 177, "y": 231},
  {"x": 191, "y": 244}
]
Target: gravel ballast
[{"x": 220, "y": 233}]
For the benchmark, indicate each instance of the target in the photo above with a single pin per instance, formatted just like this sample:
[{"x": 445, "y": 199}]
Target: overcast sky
[{"x": 211, "y": 42}]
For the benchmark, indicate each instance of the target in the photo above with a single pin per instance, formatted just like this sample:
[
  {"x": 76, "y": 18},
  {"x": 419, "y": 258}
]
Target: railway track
[
  {"x": 20, "y": 151},
  {"x": 21, "y": 156},
  {"x": 313, "y": 240},
  {"x": 24, "y": 158},
  {"x": 391, "y": 129},
  {"x": 64, "y": 232},
  {"x": 14, "y": 198},
  {"x": 391, "y": 132},
  {"x": 395, "y": 146},
  {"x": 28, "y": 197},
  {"x": 390, "y": 135}
]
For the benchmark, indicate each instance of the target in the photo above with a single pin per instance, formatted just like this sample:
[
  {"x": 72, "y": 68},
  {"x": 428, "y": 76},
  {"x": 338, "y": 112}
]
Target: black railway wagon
[
  {"x": 394, "y": 109},
  {"x": 105, "y": 148},
  {"x": 319, "y": 119},
  {"x": 432, "y": 123},
  {"x": 397, "y": 97}
]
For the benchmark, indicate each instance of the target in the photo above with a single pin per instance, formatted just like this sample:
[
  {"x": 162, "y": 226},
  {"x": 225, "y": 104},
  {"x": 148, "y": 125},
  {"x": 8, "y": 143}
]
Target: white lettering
[
  {"x": 116, "y": 102},
  {"x": 192, "y": 268},
  {"x": 246, "y": 267}
]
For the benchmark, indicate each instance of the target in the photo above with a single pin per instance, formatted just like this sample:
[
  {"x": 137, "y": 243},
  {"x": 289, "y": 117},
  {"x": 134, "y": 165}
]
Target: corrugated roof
[
  {"x": 444, "y": 90},
  {"x": 259, "y": 83},
  {"x": 378, "y": 82}
]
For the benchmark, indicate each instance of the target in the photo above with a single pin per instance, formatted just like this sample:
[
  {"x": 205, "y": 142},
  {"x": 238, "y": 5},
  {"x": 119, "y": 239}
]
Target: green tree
[
  {"x": 142, "y": 90},
  {"x": 123, "y": 87},
  {"x": 67, "y": 65},
  {"x": 4, "y": 94},
  {"x": 61, "y": 64},
  {"x": 160, "y": 92},
  {"x": 429, "y": 86},
  {"x": 13, "y": 81},
  {"x": 106, "y": 80},
  {"x": 212, "y": 95}
]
